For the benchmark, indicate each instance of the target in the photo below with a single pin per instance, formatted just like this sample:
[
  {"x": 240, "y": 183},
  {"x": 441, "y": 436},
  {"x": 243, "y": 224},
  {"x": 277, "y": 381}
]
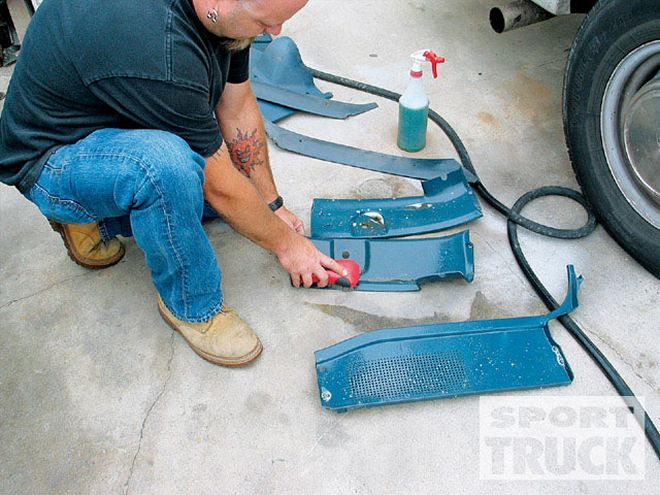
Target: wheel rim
[{"x": 630, "y": 129}]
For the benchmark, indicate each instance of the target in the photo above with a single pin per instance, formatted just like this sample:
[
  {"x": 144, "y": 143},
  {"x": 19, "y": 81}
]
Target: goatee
[{"x": 233, "y": 45}]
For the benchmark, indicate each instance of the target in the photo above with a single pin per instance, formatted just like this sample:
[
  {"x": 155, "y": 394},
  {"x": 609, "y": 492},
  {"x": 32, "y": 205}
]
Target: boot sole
[
  {"x": 92, "y": 265},
  {"x": 222, "y": 361}
]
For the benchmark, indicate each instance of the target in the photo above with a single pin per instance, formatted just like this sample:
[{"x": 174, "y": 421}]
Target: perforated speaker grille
[{"x": 409, "y": 376}]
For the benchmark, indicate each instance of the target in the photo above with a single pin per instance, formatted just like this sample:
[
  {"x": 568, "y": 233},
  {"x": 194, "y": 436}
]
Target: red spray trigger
[{"x": 435, "y": 60}]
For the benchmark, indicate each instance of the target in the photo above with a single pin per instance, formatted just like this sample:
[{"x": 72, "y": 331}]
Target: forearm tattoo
[{"x": 246, "y": 151}]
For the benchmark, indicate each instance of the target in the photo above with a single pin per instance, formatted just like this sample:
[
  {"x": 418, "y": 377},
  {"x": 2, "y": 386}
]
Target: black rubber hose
[
  {"x": 514, "y": 218},
  {"x": 617, "y": 381}
]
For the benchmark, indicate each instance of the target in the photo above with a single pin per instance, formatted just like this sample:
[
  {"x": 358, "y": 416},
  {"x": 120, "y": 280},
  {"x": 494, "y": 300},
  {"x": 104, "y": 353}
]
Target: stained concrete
[{"x": 99, "y": 396}]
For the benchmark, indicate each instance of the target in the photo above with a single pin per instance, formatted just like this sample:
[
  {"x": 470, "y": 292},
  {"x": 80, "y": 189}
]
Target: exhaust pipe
[{"x": 517, "y": 14}]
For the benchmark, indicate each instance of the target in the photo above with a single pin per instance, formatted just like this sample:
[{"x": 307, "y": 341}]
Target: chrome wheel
[{"x": 630, "y": 129}]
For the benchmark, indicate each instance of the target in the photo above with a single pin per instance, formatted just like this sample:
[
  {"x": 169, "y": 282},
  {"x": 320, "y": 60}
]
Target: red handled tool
[{"x": 349, "y": 281}]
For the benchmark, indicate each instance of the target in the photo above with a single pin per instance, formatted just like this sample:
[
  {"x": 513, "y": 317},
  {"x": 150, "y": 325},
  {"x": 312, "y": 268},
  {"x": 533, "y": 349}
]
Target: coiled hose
[{"x": 515, "y": 219}]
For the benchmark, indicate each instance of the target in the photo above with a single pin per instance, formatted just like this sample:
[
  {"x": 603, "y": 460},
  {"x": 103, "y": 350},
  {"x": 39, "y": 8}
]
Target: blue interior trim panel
[
  {"x": 447, "y": 202},
  {"x": 402, "y": 265},
  {"x": 413, "y": 168}
]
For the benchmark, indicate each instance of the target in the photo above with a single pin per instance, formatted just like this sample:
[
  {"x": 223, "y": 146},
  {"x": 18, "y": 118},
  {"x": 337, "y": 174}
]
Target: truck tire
[{"x": 612, "y": 121}]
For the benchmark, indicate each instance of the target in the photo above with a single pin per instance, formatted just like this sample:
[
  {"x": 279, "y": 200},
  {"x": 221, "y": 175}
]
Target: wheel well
[{"x": 582, "y": 6}]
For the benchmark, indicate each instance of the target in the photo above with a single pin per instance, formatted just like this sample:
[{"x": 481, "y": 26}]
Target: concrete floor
[{"x": 98, "y": 395}]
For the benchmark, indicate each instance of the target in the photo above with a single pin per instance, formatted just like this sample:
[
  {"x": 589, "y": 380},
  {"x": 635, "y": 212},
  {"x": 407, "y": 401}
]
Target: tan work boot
[
  {"x": 84, "y": 244},
  {"x": 225, "y": 339}
]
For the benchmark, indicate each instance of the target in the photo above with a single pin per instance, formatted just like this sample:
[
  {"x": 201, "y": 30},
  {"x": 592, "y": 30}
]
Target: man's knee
[
  {"x": 171, "y": 157},
  {"x": 169, "y": 167}
]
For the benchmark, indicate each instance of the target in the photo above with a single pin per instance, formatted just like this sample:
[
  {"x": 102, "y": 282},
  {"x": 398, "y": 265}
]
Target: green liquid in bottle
[{"x": 412, "y": 128}]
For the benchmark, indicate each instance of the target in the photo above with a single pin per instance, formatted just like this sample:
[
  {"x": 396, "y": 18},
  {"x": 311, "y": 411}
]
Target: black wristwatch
[{"x": 276, "y": 204}]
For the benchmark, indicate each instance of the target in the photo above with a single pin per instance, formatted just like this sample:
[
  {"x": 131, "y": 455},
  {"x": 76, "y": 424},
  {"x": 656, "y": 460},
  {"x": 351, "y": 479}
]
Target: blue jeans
[{"x": 147, "y": 184}]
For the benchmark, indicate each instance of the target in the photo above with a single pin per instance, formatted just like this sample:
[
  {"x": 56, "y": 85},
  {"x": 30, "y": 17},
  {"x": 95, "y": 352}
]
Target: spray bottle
[{"x": 414, "y": 104}]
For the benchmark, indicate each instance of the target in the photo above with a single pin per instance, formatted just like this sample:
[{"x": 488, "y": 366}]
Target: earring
[{"x": 212, "y": 15}]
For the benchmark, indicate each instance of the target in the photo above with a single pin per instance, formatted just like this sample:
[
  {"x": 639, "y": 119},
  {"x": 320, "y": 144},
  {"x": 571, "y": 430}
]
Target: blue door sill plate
[
  {"x": 445, "y": 360},
  {"x": 448, "y": 201}
]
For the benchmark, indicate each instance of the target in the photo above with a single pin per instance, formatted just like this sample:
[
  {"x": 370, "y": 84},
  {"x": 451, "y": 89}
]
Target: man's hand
[
  {"x": 301, "y": 260},
  {"x": 294, "y": 223}
]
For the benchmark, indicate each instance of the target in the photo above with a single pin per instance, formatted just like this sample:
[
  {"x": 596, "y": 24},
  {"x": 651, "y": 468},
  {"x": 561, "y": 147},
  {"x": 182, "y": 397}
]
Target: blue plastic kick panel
[
  {"x": 283, "y": 84},
  {"x": 447, "y": 202},
  {"x": 402, "y": 265},
  {"x": 445, "y": 360},
  {"x": 278, "y": 63}
]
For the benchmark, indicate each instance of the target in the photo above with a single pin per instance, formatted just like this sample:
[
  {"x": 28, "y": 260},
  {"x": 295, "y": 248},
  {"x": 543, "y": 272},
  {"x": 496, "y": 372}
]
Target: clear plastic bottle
[{"x": 414, "y": 104}]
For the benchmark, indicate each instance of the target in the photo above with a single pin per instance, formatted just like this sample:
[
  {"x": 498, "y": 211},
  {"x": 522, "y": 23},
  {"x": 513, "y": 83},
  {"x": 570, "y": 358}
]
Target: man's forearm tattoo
[{"x": 246, "y": 151}]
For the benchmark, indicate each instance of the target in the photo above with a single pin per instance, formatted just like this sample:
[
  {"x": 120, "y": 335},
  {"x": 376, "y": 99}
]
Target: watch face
[{"x": 276, "y": 204}]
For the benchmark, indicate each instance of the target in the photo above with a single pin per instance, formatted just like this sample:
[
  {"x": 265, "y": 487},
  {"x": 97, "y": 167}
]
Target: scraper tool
[{"x": 347, "y": 281}]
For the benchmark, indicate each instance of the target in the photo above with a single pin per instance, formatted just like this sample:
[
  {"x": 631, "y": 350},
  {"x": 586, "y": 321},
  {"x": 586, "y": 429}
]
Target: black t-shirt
[{"x": 90, "y": 64}]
